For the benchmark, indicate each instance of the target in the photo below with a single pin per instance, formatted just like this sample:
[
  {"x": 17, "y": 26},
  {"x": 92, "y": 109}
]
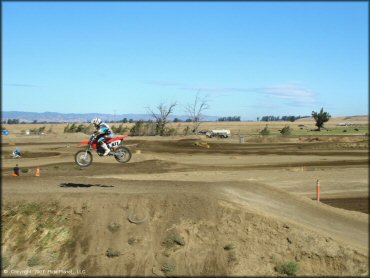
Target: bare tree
[
  {"x": 195, "y": 110},
  {"x": 161, "y": 118}
]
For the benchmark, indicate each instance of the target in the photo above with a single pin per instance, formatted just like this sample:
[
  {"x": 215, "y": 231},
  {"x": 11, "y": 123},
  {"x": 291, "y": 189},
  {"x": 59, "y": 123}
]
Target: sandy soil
[{"x": 187, "y": 206}]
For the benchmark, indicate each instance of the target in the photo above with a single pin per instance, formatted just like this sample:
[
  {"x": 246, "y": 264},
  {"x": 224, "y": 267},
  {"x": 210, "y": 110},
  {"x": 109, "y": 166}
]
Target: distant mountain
[{"x": 82, "y": 118}]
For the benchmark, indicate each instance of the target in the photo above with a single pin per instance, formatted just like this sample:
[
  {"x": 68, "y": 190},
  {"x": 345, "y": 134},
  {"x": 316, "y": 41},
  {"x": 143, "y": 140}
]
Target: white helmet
[{"x": 96, "y": 121}]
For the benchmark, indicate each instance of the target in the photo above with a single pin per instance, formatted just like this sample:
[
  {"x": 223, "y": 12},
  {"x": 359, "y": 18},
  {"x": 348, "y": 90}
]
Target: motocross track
[{"x": 187, "y": 207}]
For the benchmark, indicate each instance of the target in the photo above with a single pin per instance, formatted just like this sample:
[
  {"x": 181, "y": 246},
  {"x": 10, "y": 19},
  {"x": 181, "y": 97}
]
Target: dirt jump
[{"x": 187, "y": 206}]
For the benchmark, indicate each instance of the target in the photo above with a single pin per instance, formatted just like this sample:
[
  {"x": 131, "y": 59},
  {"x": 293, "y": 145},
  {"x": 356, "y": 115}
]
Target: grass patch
[
  {"x": 133, "y": 240},
  {"x": 290, "y": 268},
  {"x": 110, "y": 253},
  {"x": 31, "y": 208},
  {"x": 168, "y": 268},
  {"x": 13, "y": 212},
  {"x": 172, "y": 240},
  {"x": 231, "y": 257},
  {"x": 33, "y": 261},
  {"x": 4, "y": 263},
  {"x": 332, "y": 131}
]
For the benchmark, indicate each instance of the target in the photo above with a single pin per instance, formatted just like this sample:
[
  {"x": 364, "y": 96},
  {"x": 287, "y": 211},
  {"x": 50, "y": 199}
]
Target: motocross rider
[{"x": 104, "y": 133}]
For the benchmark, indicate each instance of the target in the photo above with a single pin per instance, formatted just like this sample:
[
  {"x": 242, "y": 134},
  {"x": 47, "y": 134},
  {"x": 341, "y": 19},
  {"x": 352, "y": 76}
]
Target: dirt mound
[{"x": 174, "y": 234}]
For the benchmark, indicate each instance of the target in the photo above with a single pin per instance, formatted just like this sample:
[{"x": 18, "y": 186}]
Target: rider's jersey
[{"x": 104, "y": 129}]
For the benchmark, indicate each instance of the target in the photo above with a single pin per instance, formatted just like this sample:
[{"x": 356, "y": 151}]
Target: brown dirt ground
[{"x": 191, "y": 207}]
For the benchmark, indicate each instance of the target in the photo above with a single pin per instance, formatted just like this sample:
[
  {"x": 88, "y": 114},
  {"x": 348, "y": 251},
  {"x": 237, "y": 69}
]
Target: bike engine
[{"x": 100, "y": 151}]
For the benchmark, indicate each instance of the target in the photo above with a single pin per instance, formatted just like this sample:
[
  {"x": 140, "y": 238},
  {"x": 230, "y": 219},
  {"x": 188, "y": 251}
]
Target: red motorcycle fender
[
  {"x": 116, "y": 138},
  {"x": 84, "y": 143}
]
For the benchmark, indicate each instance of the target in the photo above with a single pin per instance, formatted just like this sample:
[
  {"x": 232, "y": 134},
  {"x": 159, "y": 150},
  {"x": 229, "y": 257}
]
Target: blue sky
[{"x": 249, "y": 59}]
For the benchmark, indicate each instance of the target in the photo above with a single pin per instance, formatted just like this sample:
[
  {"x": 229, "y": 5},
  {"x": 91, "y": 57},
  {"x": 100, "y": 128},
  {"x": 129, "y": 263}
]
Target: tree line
[
  {"x": 229, "y": 119},
  {"x": 282, "y": 118}
]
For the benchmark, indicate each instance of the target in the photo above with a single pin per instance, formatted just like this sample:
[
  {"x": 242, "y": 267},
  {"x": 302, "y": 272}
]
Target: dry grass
[{"x": 236, "y": 128}]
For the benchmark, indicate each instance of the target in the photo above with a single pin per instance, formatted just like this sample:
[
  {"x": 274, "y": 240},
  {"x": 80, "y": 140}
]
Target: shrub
[
  {"x": 33, "y": 261},
  {"x": 37, "y": 130},
  {"x": 289, "y": 268},
  {"x": 170, "y": 132},
  {"x": 112, "y": 253},
  {"x": 149, "y": 129},
  {"x": 120, "y": 129},
  {"x": 25, "y": 170},
  {"x": 265, "y": 131},
  {"x": 186, "y": 130},
  {"x": 168, "y": 268},
  {"x": 79, "y": 128},
  {"x": 136, "y": 130},
  {"x": 173, "y": 239},
  {"x": 286, "y": 131}
]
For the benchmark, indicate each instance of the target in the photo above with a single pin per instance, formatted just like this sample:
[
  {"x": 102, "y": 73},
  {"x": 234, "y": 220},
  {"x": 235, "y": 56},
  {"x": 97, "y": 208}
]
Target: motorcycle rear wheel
[
  {"x": 83, "y": 158},
  {"x": 122, "y": 154}
]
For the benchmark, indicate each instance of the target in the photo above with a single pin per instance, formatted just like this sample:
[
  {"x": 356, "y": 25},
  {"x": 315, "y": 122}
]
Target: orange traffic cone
[
  {"x": 15, "y": 171},
  {"x": 37, "y": 171}
]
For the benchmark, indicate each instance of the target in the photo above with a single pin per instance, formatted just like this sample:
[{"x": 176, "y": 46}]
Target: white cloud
[{"x": 295, "y": 94}]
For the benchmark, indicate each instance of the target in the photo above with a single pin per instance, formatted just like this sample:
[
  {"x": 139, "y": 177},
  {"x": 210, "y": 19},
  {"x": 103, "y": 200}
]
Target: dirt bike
[{"x": 84, "y": 158}]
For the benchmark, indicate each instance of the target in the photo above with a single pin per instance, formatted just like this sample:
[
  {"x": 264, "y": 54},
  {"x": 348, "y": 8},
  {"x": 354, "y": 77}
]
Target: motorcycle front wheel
[
  {"x": 83, "y": 158},
  {"x": 122, "y": 154}
]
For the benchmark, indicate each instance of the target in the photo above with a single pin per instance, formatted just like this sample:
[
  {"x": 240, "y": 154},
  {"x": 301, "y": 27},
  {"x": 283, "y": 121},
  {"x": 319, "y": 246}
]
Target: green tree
[{"x": 320, "y": 118}]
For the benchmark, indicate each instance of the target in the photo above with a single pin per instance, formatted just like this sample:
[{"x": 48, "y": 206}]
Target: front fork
[{"x": 87, "y": 150}]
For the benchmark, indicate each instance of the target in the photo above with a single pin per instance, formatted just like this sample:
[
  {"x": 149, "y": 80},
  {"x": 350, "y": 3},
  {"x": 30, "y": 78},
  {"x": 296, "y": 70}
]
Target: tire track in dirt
[
  {"x": 162, "y": 166},
  {"x": 350, "y": 228}
]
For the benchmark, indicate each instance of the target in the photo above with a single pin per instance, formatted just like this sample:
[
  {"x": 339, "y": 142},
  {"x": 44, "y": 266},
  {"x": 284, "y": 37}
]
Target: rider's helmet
[{"x": 96, "y": 122}]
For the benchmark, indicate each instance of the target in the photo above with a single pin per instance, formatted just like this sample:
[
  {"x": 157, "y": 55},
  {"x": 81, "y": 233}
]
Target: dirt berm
[{"x": 182, "y": 228}]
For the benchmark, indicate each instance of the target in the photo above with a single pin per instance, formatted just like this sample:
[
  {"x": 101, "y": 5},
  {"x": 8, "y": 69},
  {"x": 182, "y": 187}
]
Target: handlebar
[{"x": 92, "y": 137}]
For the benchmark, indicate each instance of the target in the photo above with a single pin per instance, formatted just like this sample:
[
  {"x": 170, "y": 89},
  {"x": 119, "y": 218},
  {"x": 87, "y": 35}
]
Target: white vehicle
[{"x": 223, "y": 133}]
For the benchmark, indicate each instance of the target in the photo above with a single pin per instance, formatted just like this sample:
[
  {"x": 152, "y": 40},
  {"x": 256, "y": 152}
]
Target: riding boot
[{"x": 105, "y": 147}]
